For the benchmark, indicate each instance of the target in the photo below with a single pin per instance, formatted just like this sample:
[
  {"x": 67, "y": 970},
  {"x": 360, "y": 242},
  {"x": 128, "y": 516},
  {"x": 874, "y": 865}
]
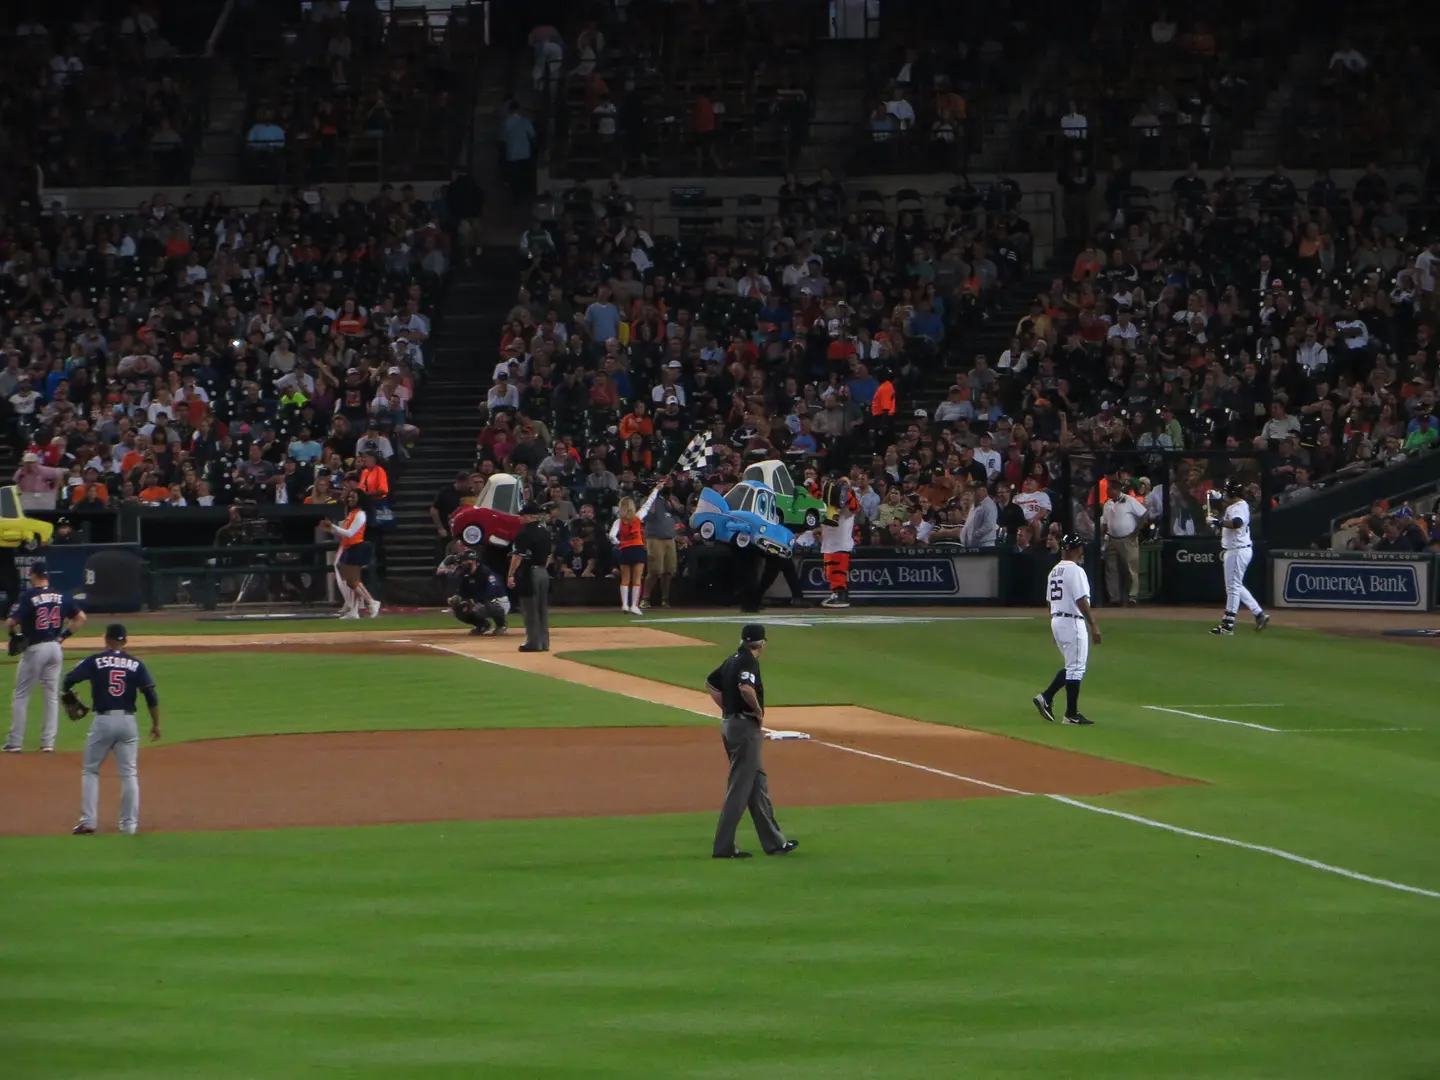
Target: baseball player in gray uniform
[
  {"x": 116, "y": 679},
  {"x": 40, "y": 619},
  {"x": 1072, "y": 625}
]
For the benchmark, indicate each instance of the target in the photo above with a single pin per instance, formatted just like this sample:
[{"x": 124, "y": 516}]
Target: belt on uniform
[
  {"x": 114, "y": 712},
  {"x": 1064, "y": 615},
  {"x": 1239, "y": 547},
  {"x": 739, "y": 716}
]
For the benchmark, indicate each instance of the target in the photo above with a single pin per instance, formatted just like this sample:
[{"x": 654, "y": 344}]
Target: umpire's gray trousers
[
  {"x": 747, "y": 788},
  {"x": 112, "y": 732},
  {"x": 536, "y": 609},
  {"x": 39, "y": 663}
]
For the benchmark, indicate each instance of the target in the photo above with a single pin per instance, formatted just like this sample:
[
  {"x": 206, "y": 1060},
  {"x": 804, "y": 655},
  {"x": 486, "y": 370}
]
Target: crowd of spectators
[
  {"x": 199, "y": 355},
  {"x": 1281, "y": 335},
  {"x": 1158, "y": 87},
  {"x": 349, "y": 94},
  {"x": 679, "y": 89},
  {"x": 1374, "y": 95},
  {"x": 91, "y": 93}
]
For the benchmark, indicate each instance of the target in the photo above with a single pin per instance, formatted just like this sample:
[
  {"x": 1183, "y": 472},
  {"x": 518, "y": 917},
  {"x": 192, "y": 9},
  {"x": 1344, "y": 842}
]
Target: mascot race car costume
[{"x": 477, "y": 595}]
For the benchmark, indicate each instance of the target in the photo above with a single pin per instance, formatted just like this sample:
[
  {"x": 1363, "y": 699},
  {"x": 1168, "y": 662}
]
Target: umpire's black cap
[
  {"x": 116, "y": 632},
  {"x": 751, "y": 633}
]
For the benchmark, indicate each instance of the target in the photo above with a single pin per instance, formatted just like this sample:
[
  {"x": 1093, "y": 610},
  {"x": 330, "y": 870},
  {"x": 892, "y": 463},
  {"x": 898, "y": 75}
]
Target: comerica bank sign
[{"x": 1343, "y": 583}]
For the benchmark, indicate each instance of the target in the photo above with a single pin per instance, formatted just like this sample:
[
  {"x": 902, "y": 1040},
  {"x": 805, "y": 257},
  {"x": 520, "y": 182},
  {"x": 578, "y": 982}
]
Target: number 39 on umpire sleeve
[{"x": 747, "y": 677}]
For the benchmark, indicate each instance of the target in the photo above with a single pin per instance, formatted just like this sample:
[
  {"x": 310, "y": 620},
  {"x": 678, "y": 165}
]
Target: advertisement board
[
  {"x": 101, "y": 577},
  {"x": 1364, "y": 581},
  {"x": 907, "y": 576}
]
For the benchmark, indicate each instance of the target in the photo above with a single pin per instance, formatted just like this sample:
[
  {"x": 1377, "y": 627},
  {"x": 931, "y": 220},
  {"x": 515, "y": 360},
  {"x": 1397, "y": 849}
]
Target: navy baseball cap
[
  {"x": 752, "y": 632},
  {"x": 39, "y": 568},
  {"x": 115, "y": 632}
]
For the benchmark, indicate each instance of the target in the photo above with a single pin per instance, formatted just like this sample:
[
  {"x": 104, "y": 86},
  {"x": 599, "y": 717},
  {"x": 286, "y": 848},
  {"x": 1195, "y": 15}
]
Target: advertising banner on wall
[
  {"x": 907, "y": 576},
  {"x": 101, "y": 577},
  {"x": 1364, "y": 581}
]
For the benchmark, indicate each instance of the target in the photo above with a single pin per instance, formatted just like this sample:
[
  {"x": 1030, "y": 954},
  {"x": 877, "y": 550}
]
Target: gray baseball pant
[
  {"x": 117, "y": 733},
  {"x": 536, "y": 609},
  {"x": 40, "y": 663},
  {"x": 747, "y": 788}
]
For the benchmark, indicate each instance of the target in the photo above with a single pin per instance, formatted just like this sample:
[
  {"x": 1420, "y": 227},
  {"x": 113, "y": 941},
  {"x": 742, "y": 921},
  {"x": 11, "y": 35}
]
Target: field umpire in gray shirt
[{"x": 735, "y": 686}]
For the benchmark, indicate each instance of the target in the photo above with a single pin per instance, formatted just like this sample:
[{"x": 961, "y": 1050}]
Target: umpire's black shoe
[
  {"x": 531, "y": 648},
  {"x": 737, "y": 854},
  {"x": 789, "y": 846}
]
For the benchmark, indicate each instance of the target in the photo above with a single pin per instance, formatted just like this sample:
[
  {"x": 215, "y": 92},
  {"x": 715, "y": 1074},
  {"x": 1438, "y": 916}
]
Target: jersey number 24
[{"x": 49, "y": 618}]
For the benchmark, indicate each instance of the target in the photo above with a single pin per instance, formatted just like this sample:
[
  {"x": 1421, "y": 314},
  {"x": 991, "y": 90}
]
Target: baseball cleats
[
  {"x": 373, "y": 608},
  {"x": 1043, "y": 707},
  {"x": 479, "y": 631},
  {"x": 736, "y": 854},
  {"x": 9, "y": 749},
  {"x": 349, "y": 613},
  {"x": 83, "y": 830},
  {"x": 1223, "y": 631},
  {"x": 1261, "y": 621},
  {"x": 786, "y": 848},
  {"x": 1078, "y": 719},
  {"x": 502, "y": 629},
  {"x": 47, "y": 749}
]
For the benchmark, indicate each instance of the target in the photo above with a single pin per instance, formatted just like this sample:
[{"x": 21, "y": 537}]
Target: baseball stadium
[{"x": 669, "y": 539}]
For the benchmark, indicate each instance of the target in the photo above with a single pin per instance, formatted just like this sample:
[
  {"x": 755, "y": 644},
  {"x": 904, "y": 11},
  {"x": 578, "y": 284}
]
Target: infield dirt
[{"x": 367, "y": 778}]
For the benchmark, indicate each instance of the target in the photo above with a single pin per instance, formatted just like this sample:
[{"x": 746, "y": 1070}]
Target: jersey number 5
[
  {"x": 117, "y": 683},
  {"x": 1057, "y": 589}
]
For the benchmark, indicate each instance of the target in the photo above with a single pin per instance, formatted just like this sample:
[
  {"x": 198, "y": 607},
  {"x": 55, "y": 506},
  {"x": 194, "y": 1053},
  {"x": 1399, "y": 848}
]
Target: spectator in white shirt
[
  {"x": 901, "y": 109},
  {"x": 987, "y": 455},
  {"x": 754, "y": 283},
  {"x": 954, "y": 407},
  {"x": 502, "y": 395},
  {"x": 1312, "y": 355},
  {"x": 1278, "y": 428},
  {"x": 1033, "y": 500},
  {"x": 1073, "y": 124},
  {"x": 1124, "y": 329}
]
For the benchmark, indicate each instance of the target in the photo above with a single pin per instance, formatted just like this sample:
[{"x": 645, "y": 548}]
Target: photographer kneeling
[{"x": 477, "y": 595}]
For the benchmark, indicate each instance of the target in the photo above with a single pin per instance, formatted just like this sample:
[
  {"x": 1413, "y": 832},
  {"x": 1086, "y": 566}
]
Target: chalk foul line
[
  {"x": 1264, "y": 849},
  {"x": 1213, "y": 719}
]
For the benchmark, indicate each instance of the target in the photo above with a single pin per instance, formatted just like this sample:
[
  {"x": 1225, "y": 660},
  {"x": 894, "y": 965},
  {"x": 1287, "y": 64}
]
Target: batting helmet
[{"x": 1070, "y": 541}]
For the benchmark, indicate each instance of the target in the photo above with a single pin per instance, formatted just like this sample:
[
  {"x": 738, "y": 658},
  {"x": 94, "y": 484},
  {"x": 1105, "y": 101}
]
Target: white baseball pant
[
  {"x": 1073, "y": 641},
  {"x": 1235, "y": 562}
]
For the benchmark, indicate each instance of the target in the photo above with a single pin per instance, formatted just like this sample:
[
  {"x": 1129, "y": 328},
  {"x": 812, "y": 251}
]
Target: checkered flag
[{"x": 699, "y": 456}]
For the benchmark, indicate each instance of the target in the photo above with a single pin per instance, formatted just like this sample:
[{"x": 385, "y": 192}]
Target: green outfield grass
[
  {"x": 993, "y": 938},
  {"x": 229, "y": 693}
]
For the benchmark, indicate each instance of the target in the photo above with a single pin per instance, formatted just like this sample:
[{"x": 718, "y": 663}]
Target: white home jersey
[
  {"x": 1236, "y": 538},
  {"x": 839, "y": 538},
  {"x": 1066, "y": 587}
]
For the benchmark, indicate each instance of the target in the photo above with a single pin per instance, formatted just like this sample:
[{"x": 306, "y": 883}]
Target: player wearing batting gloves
[
  {"x": 837, "y": 541},
  {"x": 39, "y": 621},
  {"x": 1233, "y": 521},
  {"x": 115, "y": 678},
  {"x": 477, "y": 593},
  {"x": 1072, "y": 625}
]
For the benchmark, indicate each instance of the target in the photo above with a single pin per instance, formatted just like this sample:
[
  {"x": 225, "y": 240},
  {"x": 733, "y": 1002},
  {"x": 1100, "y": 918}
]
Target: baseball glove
[
  {"x": 17, "y": 644},
  {"x": 461, "y": 606},
  {"x": 74, "y": 707}
]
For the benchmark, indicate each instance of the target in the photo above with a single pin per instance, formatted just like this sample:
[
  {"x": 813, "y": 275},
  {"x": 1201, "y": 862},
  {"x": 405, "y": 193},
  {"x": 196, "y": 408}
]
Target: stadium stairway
[
  {"x": 447, "y": 413},
  {"x": 991, "y": 339}
]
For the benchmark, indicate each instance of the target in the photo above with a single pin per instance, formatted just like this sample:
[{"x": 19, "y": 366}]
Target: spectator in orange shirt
[
  {"x": 91, "y": 492},
  {"x": 637, "y": 422}
]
